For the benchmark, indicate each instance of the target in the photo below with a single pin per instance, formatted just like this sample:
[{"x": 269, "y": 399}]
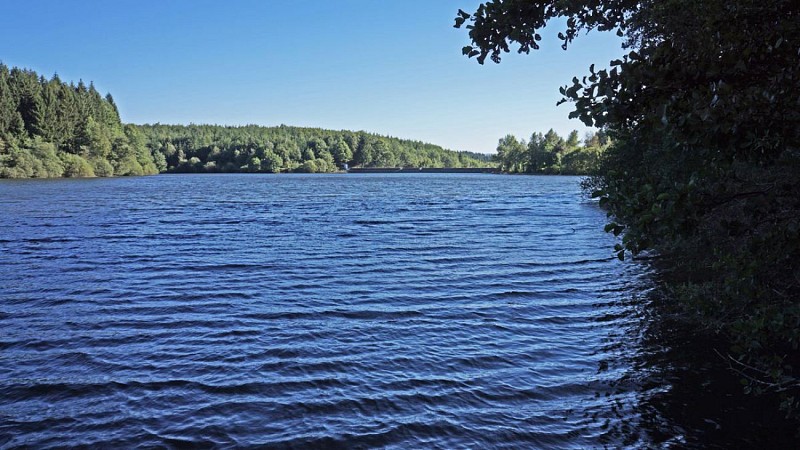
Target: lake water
[{"x": 353, "y": 311}]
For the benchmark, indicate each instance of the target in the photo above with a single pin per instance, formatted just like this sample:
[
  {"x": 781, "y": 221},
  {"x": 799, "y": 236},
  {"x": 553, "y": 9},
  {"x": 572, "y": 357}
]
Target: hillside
[
  {"x": 50, "y": 128},
  {"x": 253, "y": 148}
]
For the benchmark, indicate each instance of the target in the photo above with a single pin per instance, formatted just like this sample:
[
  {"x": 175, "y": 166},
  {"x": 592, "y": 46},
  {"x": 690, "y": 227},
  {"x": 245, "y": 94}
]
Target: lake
[{"x": 352, "y": 311}]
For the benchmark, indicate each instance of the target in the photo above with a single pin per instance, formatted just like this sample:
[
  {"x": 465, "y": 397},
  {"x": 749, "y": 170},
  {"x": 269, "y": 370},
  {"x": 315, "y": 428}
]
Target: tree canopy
[
  {"x": 705, "y": 162},
  {"x": 551, "y": 154},
  {"x": 49, "y": 128},
  {"x": 253, "y": 148}
]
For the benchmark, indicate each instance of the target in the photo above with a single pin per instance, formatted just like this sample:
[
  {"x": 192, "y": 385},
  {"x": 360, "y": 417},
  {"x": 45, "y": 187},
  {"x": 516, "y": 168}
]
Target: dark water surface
[{"x": 399, "y": 311}]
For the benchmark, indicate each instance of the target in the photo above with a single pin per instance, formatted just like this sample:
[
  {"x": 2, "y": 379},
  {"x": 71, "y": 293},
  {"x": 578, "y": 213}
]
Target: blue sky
[{"x": 392, "y": 67}]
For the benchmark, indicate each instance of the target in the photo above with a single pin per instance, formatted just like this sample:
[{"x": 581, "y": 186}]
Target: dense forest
[
  {"x": 549, "y": 153},
  {"x": 703, "y": 173},
  {"x": 215, "y": 148},
  {"x": 49, "y": 128}
]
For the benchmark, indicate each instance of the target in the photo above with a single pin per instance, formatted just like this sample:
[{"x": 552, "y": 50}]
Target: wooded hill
[
  {"x": 50, "y": 128},
  {"x": 252, "y": 148}
]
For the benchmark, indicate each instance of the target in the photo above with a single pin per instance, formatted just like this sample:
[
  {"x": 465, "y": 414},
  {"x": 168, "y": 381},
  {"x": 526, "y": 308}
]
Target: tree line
[
  {"x": 252, "y": 148},
  {"x": 704, "y": 169},
  {"x": 551, "y": 154},
  {"x": 49, "y": 128}
]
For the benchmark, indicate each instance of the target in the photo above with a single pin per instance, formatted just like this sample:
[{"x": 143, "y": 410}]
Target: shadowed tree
[{"x": 704, "y": 165}]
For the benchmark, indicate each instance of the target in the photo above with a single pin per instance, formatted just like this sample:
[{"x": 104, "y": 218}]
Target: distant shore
[{"x": 424, "y": 170}]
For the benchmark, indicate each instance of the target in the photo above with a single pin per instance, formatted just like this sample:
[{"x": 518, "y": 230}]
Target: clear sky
[{"x": 393, "y": 67}]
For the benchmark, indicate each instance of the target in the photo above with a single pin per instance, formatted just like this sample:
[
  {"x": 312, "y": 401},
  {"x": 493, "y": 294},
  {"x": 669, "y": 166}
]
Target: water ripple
[{"x": 424, "y": 311}]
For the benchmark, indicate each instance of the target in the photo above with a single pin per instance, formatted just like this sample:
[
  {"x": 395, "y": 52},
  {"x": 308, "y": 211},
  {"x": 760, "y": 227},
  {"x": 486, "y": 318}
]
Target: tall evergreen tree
[
  {"x": 49, "y": 128},
  {"x": 10, "y": 119}
]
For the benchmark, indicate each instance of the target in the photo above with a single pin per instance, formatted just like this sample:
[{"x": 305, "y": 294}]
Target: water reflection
[{"x": 689, "y": 398}]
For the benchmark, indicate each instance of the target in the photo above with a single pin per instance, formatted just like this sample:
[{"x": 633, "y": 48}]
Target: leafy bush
[
  {"x": 705, "y": 164},
  {"x": 76, "y": 166}
]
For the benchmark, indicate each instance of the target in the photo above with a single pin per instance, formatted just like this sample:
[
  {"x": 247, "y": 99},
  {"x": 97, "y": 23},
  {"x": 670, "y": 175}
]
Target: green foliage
[
  {"x": 283, "y": 148},
  {"x": 97, "y": 139},
  {"x": 550, "y": 154},
  {"x": 17, "y": 163},
  {"x": 47, "y": 163},
  {"x": 309, "y": 166},
  {"x": 159, "y": 161},
  {"x": 704, "y": 167},
  {"x": 341, "y": 152},
  {"x": 271, "y": 163},
  {"x": 43, "y": 123},
  {"x": 102, "y": 168},
  {"x": 254, "y": 165},
  {"x": 511, "y": 154},
  {"x": 10, "y": 120},
  {"x": 37, "y": 159},
  {"x": 76, "y": 166}
]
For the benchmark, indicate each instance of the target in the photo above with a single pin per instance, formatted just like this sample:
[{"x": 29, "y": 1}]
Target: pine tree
[
  {"x": 10, "y": 121},
  {"x": 45, "y": 112},
  {"x": 25, "y": 87}
]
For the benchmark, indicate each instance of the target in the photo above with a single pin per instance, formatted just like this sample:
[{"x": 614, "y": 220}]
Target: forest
[
  {"x": 50, "y": 128},
  {"x": 703, "y": 172},
  {"x": 551, "y": 154},
  {"x": 252, "y": 148}
]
